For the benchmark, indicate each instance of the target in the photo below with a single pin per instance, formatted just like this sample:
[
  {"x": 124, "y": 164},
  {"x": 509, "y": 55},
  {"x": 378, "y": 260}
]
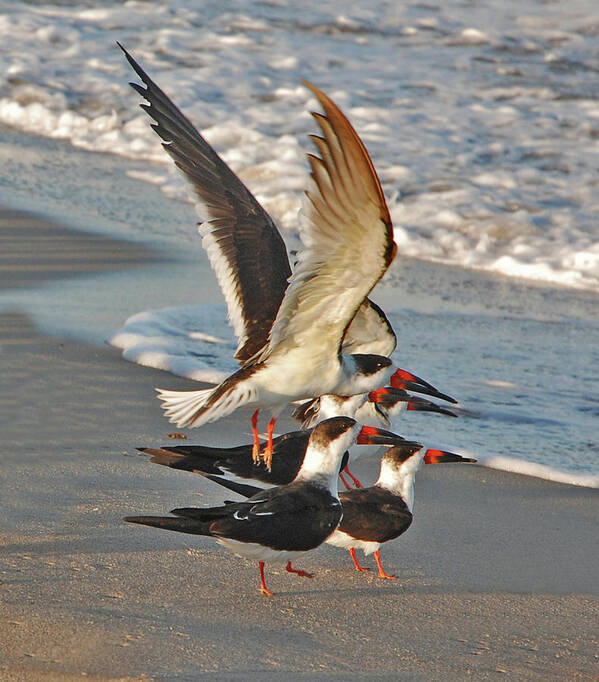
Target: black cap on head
[
  {"x": 330, "y": 429},
  {"x": 403, "y": 451},
  {"x": 371, "y": 364}
]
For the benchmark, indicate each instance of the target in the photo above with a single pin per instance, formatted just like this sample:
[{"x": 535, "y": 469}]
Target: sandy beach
[
  {"x": 481, "y": 120},
  {"x": 497, "y": 576}
]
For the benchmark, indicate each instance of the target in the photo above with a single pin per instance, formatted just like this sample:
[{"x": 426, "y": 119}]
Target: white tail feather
[{"x": 182, "y": 407}]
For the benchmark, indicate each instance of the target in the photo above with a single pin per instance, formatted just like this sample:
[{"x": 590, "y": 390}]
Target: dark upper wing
[
  {"x": 259, "y": 504},
  {"x": 288, "y": 450},
  {"x": 295, "y": 517},
  {"x": 240, "y": 488},
  {"x": 292, "y": 517},
  {"x": 374, "y": 514},
  {"x": 181, "y": 525},
  {"x": 244, "y": 246}
]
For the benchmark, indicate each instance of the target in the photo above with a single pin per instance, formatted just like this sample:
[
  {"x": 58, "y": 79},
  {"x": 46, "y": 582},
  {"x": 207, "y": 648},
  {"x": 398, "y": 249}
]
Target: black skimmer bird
[
  {"x": 378, "y": 514},
  {"x": 279, "y": 523},
  {"x": 237, "y": 463},
  {"x": 378, "y": 405},
  {"x": 383, "y": 512},
  {"x": 302, "y": 335},
  {"x": 387, "y": 402}
]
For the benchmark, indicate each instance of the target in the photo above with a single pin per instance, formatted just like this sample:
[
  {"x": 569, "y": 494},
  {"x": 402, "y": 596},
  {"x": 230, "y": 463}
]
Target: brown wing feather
[
  {"x": 245, "y": 248},
  {"x": 349, "y": 241}
]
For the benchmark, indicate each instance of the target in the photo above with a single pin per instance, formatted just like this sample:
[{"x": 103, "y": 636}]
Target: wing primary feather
[
  {"x": 249, "y": 256},
  {"x": 348, "y": 242}
]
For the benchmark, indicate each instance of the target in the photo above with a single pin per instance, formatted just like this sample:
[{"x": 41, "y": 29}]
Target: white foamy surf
[
  {"x": 172, "y": 339},
  {"x": 482, "y": 119},
  {"x": 519, "y": 466}
]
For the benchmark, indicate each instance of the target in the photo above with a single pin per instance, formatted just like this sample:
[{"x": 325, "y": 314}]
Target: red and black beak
[
  {"x": 387, "y": 397},
  {"x": 433, "y": 456},
  {"x": 371, "y": 435},
  {"x": 424, "y": 405},
  {"x": 410, "y": 382}
]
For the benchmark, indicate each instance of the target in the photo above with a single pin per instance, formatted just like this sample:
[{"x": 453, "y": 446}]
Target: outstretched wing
[
  {"x": 243, "y": 244},
  {"x": 348, "y": 243}
]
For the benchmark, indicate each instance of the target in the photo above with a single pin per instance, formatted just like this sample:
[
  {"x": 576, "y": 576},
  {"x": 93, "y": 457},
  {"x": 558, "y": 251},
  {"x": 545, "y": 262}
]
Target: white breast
[
  {"x": 341, "y": 539},
  {"x": 252, "y": 550}
]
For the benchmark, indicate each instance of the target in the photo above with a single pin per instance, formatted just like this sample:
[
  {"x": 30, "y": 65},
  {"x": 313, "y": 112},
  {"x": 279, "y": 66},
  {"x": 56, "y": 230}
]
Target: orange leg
[
  {"x": 263, "y": 587},
  {"x": 267, "y": 454},
  {"x": 353, "y": 478},
  {"x": 256, "y": 448},
  {"x": 382, "y": 574},
  {"x": 345, "y": 483},
  {"x": 303, "y": 574},
  {"x": 352, "y": 552}
]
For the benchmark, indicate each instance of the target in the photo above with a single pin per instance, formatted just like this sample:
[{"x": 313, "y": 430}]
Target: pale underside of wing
[
  {"x": 244, "y": 246},
  {"x": 369, "y": 332},
  {"x": 348, "y": 243}
]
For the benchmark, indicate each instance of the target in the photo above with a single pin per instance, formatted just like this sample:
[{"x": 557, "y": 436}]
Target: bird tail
[
  {"x": 182, "y": 525},
  {"x": 194, "y": 458},
  {"x": 242, "y": 489},
  {"x": 184, "y": 408},
  {"x": 307, "y": 413},
  {"x": 194, "y": 408}
]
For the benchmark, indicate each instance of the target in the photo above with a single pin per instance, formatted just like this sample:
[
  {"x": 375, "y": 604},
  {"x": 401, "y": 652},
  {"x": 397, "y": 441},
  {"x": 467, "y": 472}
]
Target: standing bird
[
  {"x": 279, "y": 523},
  {"x": 314, "y": 334},
  {"x": 237, "y": 463},
  {"x": 377, "y": 406},
  {"x": 383, "y": 512}
]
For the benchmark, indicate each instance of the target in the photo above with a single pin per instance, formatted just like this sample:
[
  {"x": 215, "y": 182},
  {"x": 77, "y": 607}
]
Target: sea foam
[{"x": 482, "y": 125}]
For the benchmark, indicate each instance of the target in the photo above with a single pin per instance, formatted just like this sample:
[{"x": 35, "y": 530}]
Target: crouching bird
[{"x": 280, "y": 523}]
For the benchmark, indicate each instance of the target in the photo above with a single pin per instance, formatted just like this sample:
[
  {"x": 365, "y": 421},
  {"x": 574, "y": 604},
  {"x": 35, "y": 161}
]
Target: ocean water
[
  {"x": 482, "y": 117},
  {"x": 482, "y": 120},
  {"x": 522, "y": 360}
]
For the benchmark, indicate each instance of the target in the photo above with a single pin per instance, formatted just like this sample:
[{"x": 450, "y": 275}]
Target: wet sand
[
  {"x": 34, "y": 249},
  {"x": 498, "y": 575}
]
